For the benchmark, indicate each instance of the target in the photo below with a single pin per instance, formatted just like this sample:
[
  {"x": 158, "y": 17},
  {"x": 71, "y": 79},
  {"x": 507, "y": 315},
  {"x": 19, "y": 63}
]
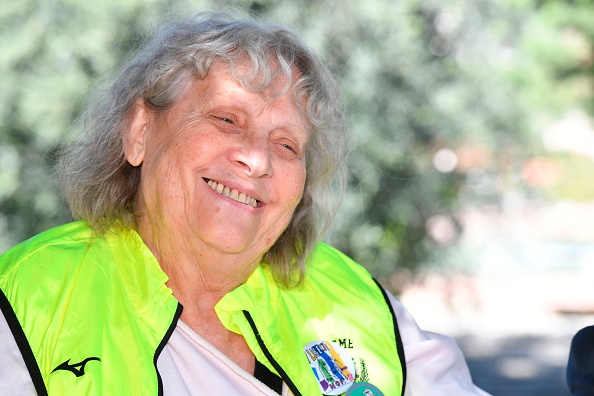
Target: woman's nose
[{"x": 255, "y": 157}]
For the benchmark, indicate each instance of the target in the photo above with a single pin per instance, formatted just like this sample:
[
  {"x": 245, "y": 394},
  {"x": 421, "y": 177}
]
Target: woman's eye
[
  {"x": 289, "y": 148},
  {"x": 227, "y": 120}
]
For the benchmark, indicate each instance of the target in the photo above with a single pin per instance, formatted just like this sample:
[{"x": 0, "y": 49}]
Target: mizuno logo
[{"x": 78, "y": 368}]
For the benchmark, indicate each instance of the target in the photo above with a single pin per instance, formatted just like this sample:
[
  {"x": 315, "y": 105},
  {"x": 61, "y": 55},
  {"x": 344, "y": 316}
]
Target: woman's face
[{"x": 223, "y": 169}]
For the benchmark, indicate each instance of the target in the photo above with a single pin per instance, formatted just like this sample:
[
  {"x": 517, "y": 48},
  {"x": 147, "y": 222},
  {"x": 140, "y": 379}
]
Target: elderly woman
[{"x": 205, "y": 178}]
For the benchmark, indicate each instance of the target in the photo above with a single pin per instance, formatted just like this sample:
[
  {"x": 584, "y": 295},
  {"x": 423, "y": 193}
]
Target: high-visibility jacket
[{"x": 91, "y": 314}]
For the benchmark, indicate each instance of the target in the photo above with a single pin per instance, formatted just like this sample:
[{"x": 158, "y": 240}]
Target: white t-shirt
[{"x": 190, "y": 366}]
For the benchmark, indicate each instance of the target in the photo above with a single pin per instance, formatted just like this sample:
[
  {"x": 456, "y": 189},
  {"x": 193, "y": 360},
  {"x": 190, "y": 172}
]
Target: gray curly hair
[{"x": 101, "y": 186}]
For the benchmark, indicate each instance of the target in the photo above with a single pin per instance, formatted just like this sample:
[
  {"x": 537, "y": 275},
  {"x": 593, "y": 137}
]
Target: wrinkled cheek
[
  {"x": 299, "y": 183},
  {"x": 287, "y": 216},
  {"x": 161, "y": 191},
  {"x": 297, "y": 195}
]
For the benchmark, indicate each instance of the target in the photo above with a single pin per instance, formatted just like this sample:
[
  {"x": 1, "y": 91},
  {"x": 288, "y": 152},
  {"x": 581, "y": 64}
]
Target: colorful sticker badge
[
  {"x": 332, "y": 366},
  {"x": 363, "y": 389}
]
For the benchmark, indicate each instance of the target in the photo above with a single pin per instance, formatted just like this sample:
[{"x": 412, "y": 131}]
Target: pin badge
[
  {"x": 363, "y": 389},
  {"x": 332, "y": 366}
]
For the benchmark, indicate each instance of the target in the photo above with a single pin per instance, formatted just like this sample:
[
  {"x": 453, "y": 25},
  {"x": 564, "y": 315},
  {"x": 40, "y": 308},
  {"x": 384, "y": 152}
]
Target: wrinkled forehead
[{"x": 273, "y": 78}]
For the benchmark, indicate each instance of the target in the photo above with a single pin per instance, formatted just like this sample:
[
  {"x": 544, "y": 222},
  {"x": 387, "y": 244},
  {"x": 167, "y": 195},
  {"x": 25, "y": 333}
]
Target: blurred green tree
[{"x": 441, "y": 96}]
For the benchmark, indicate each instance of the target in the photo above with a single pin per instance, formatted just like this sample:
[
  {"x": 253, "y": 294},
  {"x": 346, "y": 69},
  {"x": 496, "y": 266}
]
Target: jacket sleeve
[
  {"x": 435, "y": 364},
  {"x": 15, "y": 378}
]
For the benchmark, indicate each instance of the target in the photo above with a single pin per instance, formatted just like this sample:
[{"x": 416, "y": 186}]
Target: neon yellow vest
[
  {"x": 339, "y": 301},
  {"x": 78, "y": 296}
]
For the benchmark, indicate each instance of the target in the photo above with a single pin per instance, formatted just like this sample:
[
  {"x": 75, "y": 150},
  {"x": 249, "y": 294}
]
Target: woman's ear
[{"x": 135, "y": 139}]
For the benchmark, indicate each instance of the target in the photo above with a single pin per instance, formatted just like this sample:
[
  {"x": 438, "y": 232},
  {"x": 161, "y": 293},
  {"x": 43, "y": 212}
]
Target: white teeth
[{"x": 233, "y": 194}]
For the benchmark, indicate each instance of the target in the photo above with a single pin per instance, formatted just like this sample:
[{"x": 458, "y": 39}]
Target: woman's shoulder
[
  {"x": 330, "y": 257},
  {"x": 57, "y": 250},
  {"x": 64, "y": 237},
  {"x": 329, "y": 262}
]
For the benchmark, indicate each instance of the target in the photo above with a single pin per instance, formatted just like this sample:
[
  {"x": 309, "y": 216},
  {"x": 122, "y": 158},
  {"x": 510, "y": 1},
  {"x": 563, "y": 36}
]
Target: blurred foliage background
[{"x": 449, "y": 101}]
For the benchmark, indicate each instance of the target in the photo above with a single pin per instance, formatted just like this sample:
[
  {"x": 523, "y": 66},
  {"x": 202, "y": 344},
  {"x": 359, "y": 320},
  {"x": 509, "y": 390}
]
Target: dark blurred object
[{"x": 580, "y": 367}]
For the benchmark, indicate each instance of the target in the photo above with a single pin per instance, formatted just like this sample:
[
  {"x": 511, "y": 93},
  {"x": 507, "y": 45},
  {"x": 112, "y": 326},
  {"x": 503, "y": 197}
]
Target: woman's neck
[
  {"x": 199, "y": 278},
  {"x": 197, "y": 271}
]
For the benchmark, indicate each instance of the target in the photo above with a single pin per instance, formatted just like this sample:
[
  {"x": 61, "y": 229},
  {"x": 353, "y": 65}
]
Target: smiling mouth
[{"x": 232, "y": 193}]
